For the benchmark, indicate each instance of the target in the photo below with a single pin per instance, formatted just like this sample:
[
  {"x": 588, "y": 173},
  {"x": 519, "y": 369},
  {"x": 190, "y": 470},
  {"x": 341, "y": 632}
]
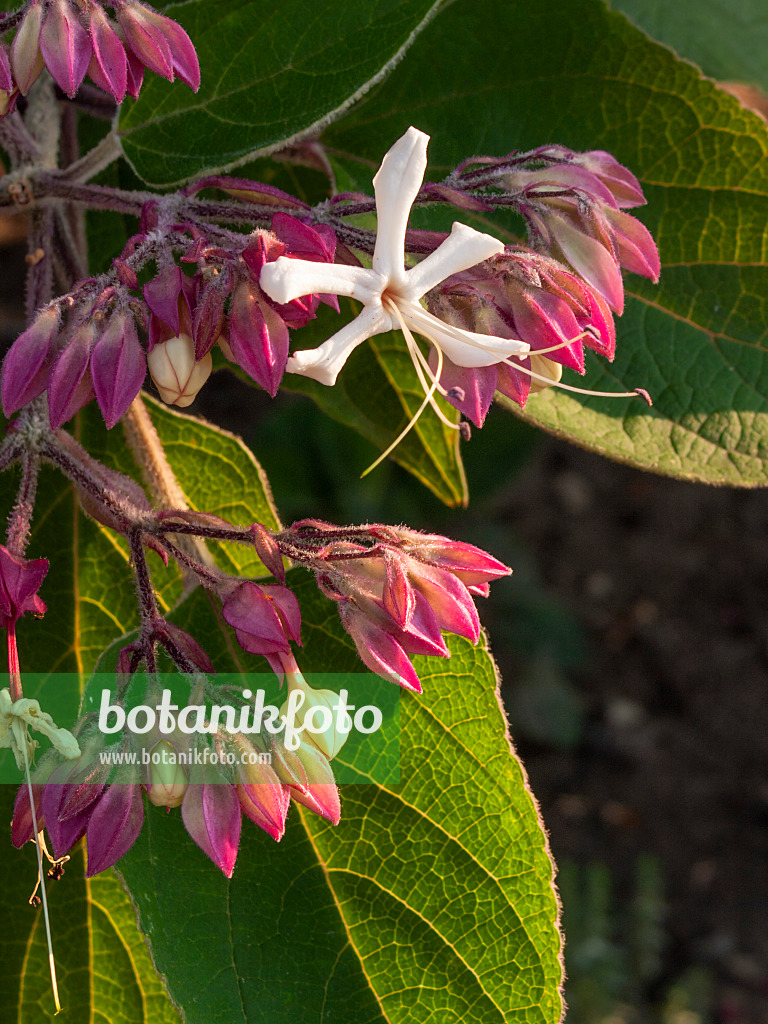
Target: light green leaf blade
[
  {"x": 103, "y": 964},
  {"x": 270, "y": 75},
  {"x": 431, "y": 900},
  {"x": 697, "y": 342}
]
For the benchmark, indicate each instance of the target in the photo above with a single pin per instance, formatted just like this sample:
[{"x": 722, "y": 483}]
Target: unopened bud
[
  {"x": 167, "y": 779},
  {"x": 177, "y": 376},
  {"x": 314, "y": 713}
]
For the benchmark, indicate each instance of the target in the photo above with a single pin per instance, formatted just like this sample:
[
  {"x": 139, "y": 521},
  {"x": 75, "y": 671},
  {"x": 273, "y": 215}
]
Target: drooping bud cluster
[
  {"x": 87, "y": 345},
  {"x": 73, "y": 39},
  {"x": 397, "y": 590},
  {"x": 526, "y": 295},
  {"x": 213, "y": 780}
]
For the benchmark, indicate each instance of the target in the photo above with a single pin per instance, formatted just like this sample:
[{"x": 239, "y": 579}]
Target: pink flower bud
[
  {"x": 20, "y": 580},
  {"x": 118, "y": 367},
  {"x": 258, "y": 626},
  {"x": 114, "y": 825},
  {"x": 26, "y": 58},
  {"x": 261, "y": 794},
  {"x": 268, "y": 551},
  {"x": 258, "y": 337},
  {"x": 167, "y": 779},
  {"x": 7, "y": 83},
  {"x": 145, "y": 39},
  {"x": 177, "y": 376},
  {"x": 134, "y": 74},
  {"x": 27, "y": 363},
  {"x": 182, "y": 52},
  {"x": 109, "y": 66},
  {"x": 22, "y": 829},
  {"x": 208, "y": 317},
  {"x": 163, "y": 293},
  {"x": 186, "y": 644},
  {"x": 66, "y": 46},
  {"x": 70, "y": 386},
  {"x": 313, "y": 783},
  {"x": 211, "y": 814}
]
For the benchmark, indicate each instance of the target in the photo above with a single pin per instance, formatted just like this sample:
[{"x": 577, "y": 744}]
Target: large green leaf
[
  {"x": 271, "y": 73},
  {"x": 697, "y": 341},
  {"x": 727, "y": 40},
  {"x": 431, "y": 900}
]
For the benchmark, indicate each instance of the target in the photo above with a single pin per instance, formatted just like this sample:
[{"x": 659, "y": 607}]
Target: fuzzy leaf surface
[
  {"x": 430, "y": 900},
  {"x": 270, "y": 73}
]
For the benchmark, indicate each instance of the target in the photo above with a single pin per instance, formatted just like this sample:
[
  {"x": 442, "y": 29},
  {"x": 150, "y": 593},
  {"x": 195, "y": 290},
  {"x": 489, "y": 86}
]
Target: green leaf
[
  {"x": 271, "y": 74},
  {"x": 376, "y": 394},
  {"x": 726, "y": 40},
  {"x": 431, "y": 900},
  {"x": 102, "y": 961},
  {"x": 697, "y": 341}
]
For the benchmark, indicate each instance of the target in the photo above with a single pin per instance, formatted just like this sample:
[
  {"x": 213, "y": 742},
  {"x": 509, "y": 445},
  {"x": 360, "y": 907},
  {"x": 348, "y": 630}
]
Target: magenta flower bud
[
  {"x": 118, "y": 367},
  {"x": 26, "y": 58},
  {"x": 468, "y": 563},
  {"x": 186, "y": 644},
  {"x": 27, "y": 363},
  {"x": 258, "y": 337},
  {"x": 211, "y": 814},
  {"x": 208, "y": 316},
  {"x": 163, "y": 294},
  {"x": 114, "y": 825},
  {"x": 268, "y": 551},
  {"x": 134, "y": 74},
  {"x": 70, "y": 386},
  {"x": 63, "y": 834},
  {"x": 66, "y": 46},
  {"x": 182, "y": 52},
  {"x": 20, "y": 580},
  {"x": 22, "y": 829},
  {"x": 145, "y": 38},
  {"x": 258, "y": 625},
  {"x": 7, "y": 83},
  {"x": 109, "y": 66}
]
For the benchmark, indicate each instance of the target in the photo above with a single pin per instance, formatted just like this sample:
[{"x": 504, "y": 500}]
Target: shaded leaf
[{"x": 271, "y": 73}]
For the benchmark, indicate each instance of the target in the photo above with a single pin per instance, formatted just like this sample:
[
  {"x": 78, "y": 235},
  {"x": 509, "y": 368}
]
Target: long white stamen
[
  {"x": 427, "y": 400},
  {"x": 639, "y": 393},
  {"x": 555, "y": 348},
  {"x": 22, "y": 742},
  {"x": 416, "y": 358}
]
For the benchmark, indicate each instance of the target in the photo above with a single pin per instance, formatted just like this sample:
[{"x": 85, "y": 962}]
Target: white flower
[{"x": 390, "y": 294}]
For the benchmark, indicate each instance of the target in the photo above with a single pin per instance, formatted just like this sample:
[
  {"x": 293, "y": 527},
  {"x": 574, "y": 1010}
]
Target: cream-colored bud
[
  {"x": 167, "y": 779},
  {"x": 323, "y": 730},
  {"x": 547, "y": 368},
  {"x": 177, "y": 376}
]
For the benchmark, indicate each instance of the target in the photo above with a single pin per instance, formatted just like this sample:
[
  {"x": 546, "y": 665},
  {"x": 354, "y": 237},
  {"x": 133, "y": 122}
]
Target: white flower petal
[
  {"x": 462, "y": 249},
  {"x": 464, "y": 348},
  {"x": 286, "y": 279},
  {"x": 397, "y": 183},
  {"x": 323, "y": 363}
]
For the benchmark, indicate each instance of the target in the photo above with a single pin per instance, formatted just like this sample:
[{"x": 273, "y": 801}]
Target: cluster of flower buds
[
  {"x": 573, "y": 206},
  {"x": 526, "y": 295},
  {"x": 213, "y": 782},
  {"x": 97, "y": 352},
  {"x": 73, "y": 39},
  {"x": 397, "y": 590}
]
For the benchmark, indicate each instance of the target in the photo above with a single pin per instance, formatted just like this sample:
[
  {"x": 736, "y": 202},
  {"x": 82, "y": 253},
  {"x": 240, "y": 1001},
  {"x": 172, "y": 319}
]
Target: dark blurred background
[{"x": 633, "y": 645}]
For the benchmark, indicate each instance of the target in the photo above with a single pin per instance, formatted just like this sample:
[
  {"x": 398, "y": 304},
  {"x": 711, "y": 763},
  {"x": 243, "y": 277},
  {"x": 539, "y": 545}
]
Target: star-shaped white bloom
[{"x": 390, "y": 294}]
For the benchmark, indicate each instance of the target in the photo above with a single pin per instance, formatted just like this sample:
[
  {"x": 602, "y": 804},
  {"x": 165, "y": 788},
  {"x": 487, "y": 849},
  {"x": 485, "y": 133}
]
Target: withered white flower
[{"x": 390, "y": 294}]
